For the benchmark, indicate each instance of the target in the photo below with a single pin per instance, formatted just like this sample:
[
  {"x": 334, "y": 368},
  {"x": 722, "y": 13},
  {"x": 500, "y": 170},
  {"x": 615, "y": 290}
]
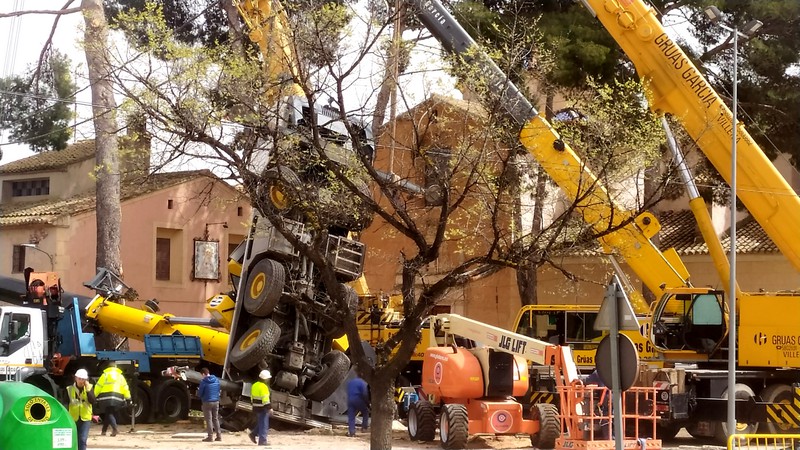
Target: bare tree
[{"x": 449, "y": 198}]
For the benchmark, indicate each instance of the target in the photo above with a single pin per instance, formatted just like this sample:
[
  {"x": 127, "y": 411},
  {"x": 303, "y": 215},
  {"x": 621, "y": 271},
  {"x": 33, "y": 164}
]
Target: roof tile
[
  {"x": 52, "y": 160},
  {"x": 49, "y": 211}
]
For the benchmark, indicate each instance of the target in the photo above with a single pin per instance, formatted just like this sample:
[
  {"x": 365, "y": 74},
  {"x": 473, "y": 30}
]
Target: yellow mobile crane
[
  {"x": 767, "y": 350},
  {"x": 678, "y": 88},
  {"x": 689, "y": 324}
]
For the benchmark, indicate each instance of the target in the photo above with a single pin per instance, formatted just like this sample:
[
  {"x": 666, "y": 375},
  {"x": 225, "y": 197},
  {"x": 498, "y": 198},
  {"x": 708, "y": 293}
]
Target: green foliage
[
  {"x": 37, "y": 108},
  {"x": 617, "y": 138},
  {"x": 192, "y": 22}
]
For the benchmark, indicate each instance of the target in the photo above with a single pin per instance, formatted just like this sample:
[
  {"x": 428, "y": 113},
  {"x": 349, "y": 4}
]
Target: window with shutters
[
  {"x": 162, "y": 258},
  {"x": 18, "y": 259}
]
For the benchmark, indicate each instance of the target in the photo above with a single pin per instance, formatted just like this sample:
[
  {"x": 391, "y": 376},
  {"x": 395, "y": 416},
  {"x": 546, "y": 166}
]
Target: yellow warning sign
[{"x": 37, "y": 410}]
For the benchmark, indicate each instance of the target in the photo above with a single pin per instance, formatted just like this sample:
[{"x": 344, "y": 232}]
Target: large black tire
[
  {"x": 281, "y": 189},
  {"x": 335, "y": 367},
  {"x": 172, "y": 401},
  {"x": 549, "y": 425},
  {"x": 779, "y": 393},
  {"x": 255, "y": 344},
  {"x": 421, "y": 421},
  {"x": 742, "y": 392},
  {"x": 454, "y": 426},
  {"x": 264, "y": 287},
  {"x": 142, "y": 405}
]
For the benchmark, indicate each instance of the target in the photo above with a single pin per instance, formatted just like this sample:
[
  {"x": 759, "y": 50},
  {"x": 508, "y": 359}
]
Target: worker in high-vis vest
[
  {"x": 81, "y": 398},
  {"x": 112, "y": 394},
  {"x": 259, "y": 399}
]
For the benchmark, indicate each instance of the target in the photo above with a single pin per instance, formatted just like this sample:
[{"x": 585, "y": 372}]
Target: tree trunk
[
  {"x": 109, "y": 211},
  {"x": 528, "y": 277},
  {"x": 382, "y": 412}
]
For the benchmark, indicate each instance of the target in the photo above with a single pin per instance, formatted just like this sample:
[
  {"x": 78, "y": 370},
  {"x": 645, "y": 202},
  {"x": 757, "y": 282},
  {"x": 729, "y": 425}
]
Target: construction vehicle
[
  {"x": 470, "y": 386},
  {"x": 43, "y": 344},
  {"x": 688, "y": 324},
  {"x": 677, "y": 88}
]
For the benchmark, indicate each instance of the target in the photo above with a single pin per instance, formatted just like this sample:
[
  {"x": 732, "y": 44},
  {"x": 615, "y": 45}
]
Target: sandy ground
[{"x": 187, "y": 435}]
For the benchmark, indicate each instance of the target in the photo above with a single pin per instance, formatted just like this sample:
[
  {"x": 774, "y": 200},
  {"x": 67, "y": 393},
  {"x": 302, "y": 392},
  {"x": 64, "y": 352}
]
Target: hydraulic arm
[
  {"x": 678, "y": 88},
  {"x": 657, "y": 270}
]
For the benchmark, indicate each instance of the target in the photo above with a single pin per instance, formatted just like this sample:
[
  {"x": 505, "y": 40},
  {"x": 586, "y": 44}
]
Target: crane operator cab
[{"x": 690, "y": 319}]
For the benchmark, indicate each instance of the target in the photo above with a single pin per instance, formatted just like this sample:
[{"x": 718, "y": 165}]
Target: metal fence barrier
[{"x": 764, "y": 442}]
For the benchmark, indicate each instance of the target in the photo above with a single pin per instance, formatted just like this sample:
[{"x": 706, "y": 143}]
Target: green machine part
[{"x": 30, "y": 418}]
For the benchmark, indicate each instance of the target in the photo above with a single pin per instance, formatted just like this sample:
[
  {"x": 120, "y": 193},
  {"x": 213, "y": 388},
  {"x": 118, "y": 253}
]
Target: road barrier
[{"x": 764, "y": 442}]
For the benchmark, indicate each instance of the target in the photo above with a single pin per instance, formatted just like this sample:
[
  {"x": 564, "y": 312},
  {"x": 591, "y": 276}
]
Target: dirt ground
[{"x": 185, "y": 435}]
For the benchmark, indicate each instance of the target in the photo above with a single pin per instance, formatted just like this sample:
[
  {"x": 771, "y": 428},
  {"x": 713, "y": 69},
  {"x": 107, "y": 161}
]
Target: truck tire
[
  {"x": 142, "y": 405},
  {"x": 549, "y": 425},
  {"x": 281, "y": 189},
  {"x": 454, "y": 426},
  {"x": 255, "y": 344},
  {"x": 172, "y": 401},
  {"x": 779, "y": 393},
  {"x": 335, "y": 367},
  {"x": 743, "y": 392},
  {"x": 264, "y": 287},
  {"x": 421, "y": 421}
]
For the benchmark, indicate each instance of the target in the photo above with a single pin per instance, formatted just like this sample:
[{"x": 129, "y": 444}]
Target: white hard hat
[
  {"x": 81, "y": 373},
  {"x": 265, "y": 375}
]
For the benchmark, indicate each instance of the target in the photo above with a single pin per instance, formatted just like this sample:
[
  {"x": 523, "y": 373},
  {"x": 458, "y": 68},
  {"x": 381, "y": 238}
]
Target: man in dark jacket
[
  {"x": 357, "y": 401},
  {"x": 209, "y": 394}
]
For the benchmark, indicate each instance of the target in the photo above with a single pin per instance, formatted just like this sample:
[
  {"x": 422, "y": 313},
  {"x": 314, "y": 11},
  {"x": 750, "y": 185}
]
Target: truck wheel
[
  {"x": 335, "y": 367},
  {"x": 281, "y": 188},
  {"x": 172, "y": 401},
  {"x": 264, "y": 287},
  {"x": 549, "y": 425},
  {"x": 421, "y": 421},
  {"x": 454, "y": 426},
  {"x": 779, "y": 393},
  {"x": 743, "y": 392},
  {"x": 142, "y": 406},
  {"x": 255, "y": 344}
]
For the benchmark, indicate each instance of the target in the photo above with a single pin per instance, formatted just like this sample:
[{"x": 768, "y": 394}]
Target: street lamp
[
  {"x": 714, "y": 15},
  {"x": 49, "y": 256}
]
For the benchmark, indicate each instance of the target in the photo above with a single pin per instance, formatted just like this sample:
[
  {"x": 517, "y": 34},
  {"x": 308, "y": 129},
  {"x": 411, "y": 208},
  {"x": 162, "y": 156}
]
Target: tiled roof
[
  {"x": 49, "y": 211},
  {"x": 679, "y": 230},
  {"x": 52, "y": 160}
]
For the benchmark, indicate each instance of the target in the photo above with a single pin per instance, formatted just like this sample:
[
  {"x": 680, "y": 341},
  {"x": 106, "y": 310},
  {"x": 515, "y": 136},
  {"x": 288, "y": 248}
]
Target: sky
[{"x": 25, "y": 36}]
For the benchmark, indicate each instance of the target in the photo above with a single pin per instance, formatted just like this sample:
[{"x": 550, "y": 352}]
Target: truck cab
[{"x": 22, "y": 345}]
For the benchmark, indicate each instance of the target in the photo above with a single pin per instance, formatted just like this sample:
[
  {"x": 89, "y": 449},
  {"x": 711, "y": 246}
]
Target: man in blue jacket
[
  {"x": 357, "y": 401},
  {"x": 209, "y": 394}
]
